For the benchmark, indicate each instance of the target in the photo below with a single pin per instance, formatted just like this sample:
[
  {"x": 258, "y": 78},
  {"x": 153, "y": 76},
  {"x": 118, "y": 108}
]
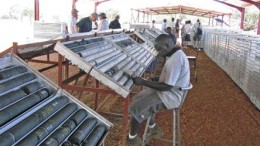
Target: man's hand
[{"x": 138, "y": 80}]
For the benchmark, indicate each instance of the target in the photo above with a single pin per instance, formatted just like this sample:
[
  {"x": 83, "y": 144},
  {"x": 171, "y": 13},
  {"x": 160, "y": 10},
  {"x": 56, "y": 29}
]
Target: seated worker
[
  {"x": 85, "y": 24},
  {"x": 169, "y": 31},
  {"x": 160, "y": 94},
  {"x": 115, "y": 23},
  {"x": 103, "y": 23}
]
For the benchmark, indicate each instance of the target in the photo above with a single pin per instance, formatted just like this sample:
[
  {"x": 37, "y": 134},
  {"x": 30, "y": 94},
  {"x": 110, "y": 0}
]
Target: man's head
[
  {"x": 93, "y": 17},
  {"x": 168, "y": 29},
  {"x": 102, "y": 16},
  {"x": 74, "y": 13},
  {"x": 164, "y": 20},
  {"x": 164, "y": 45},
  {"x": 117, "y": 17},
  {"x": 173, "y": 19}
]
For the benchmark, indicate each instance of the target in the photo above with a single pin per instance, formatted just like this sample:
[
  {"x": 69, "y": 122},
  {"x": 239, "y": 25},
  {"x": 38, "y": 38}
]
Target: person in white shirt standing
[
  {"x": 103, "y": 23},
  {"x": 197, "y": 30},
  {"x": 73, "y": 21},
  {"x": 164, "y": 25},
  {"x": 187, "y": 29}
]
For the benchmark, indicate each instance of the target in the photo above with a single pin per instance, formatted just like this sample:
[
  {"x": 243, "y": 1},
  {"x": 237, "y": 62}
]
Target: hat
[
  {"x": 74, "y": 10},
  {"x": 103, "y": 15}
]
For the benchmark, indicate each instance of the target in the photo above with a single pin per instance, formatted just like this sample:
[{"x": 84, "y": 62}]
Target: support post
[
  {"x": 74, "y": 4},
  {"x": 15, "y": 48},
  {"x": 60, "y": 74},
  {"x": 36, "y": 10},
  {"x": 138, "y": 20},
  {"x": 125, "y": 120},
  {"x": 258, "y": 26},
  {"x": 96, "y": 97},
  {"x": 242, "y": 18},
  {"x": 222, "y": 20},
  {"x": 143, "y": 17},
  {"x": 229, "y": 19}
]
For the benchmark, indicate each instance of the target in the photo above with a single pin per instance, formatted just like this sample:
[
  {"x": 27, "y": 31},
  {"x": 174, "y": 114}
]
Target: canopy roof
[{"x": 181, "y": 9}]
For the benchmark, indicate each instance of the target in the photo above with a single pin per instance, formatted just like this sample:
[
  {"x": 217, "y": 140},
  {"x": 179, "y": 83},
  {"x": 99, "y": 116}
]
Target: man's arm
[
  {"x": 76, "y": 28},
  {"x": 160, "y": 86}
]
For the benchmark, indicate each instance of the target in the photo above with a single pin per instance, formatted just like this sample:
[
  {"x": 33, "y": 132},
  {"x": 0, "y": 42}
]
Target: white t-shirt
[
  {"x": 72, "y": 23},
  {"x": 103, "y": 25},
  {"x": 195, "y": 27},
  {"x": 188, "y": 28},
  {"x": 164, "y": 26},
  {"x": 175, "y": 72}
]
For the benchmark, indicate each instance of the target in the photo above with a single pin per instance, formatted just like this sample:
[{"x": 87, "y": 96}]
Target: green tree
[
  {"x": 27, "y": 12},
  {"x": 13, "y": 12},
  {"x": 251, "y": 19},
  {"x": 111, "y": 14}
]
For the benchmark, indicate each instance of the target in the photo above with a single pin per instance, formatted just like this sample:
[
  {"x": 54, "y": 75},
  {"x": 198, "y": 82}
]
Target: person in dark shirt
[
  {"x": 169, "y": 31},
  {"x": 115, "y": 23},
  {"x": 85, "y": 24},
  {"x": 177, "y": 27}
]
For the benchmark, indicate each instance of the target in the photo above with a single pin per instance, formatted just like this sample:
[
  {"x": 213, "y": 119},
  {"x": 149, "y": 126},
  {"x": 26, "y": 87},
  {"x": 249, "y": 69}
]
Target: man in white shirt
[
  {"x": 159, "y": 94},
  {"x": 103, "y": 23},
  {"x": 197, "y": 34},
  {"x": 187, "y": 28},
  {"x": 164, "y": 25},
  {"x": 73, "y": 21}
]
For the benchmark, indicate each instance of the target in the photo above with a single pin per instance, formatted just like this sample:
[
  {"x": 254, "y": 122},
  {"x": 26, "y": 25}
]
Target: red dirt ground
[{"x": 216, "y": 111}]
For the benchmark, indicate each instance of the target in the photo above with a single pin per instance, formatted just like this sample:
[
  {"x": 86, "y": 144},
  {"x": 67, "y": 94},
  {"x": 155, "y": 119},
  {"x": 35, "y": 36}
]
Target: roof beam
[
  {"x": 257, "y": 4},
  {"x": 228, "y": 4},
  {"x": 98, "y": 3}
]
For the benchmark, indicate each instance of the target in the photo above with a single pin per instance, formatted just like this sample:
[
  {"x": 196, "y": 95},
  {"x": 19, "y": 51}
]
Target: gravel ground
[{"x": 215, "y": 112}]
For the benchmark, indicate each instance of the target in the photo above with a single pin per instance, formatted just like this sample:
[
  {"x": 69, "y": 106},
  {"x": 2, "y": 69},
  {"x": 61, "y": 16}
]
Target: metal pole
[
  {"x": 36, "y": 10},
  {"x": 242, "y": 18},
  {"x": 125, "y": 120},
  {"x": 258, "y": 26},
  {"x": 15, "y": 48},
  {"x": 60, "y": 71},
  {"x": 222, "y": 20}
]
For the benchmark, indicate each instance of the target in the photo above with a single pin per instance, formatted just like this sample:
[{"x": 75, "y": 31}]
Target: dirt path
[{"x": 216, "y": 112}]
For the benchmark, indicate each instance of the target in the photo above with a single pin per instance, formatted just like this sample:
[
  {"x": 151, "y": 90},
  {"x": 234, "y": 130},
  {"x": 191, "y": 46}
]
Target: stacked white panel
[{"x": 237, "y": 54}]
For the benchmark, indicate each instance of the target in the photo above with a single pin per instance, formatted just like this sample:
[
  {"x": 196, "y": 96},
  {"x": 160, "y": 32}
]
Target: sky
[{"x": 62, "y": 9}]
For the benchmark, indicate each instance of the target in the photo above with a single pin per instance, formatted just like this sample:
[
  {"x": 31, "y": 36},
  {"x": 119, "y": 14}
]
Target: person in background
[
  {"x": 85, "y": 24},
  {"x": 72, "y": 22},
  {"x": 183, "y": 33},
  {"x": 103, "y": 23},
  {"x": 177, "y": 28},
  {"x": 169, "y": 31},
  {"x": 172, "y": 25},
  {"x": 197, "y": 35},
  {"x": 164, "y": 25},
  {"x": 115, "y": 23},
  {"x": 187, "y": 39},
  {"x": 153, "y": 24},
  {"x": 159, "y": 94}
]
